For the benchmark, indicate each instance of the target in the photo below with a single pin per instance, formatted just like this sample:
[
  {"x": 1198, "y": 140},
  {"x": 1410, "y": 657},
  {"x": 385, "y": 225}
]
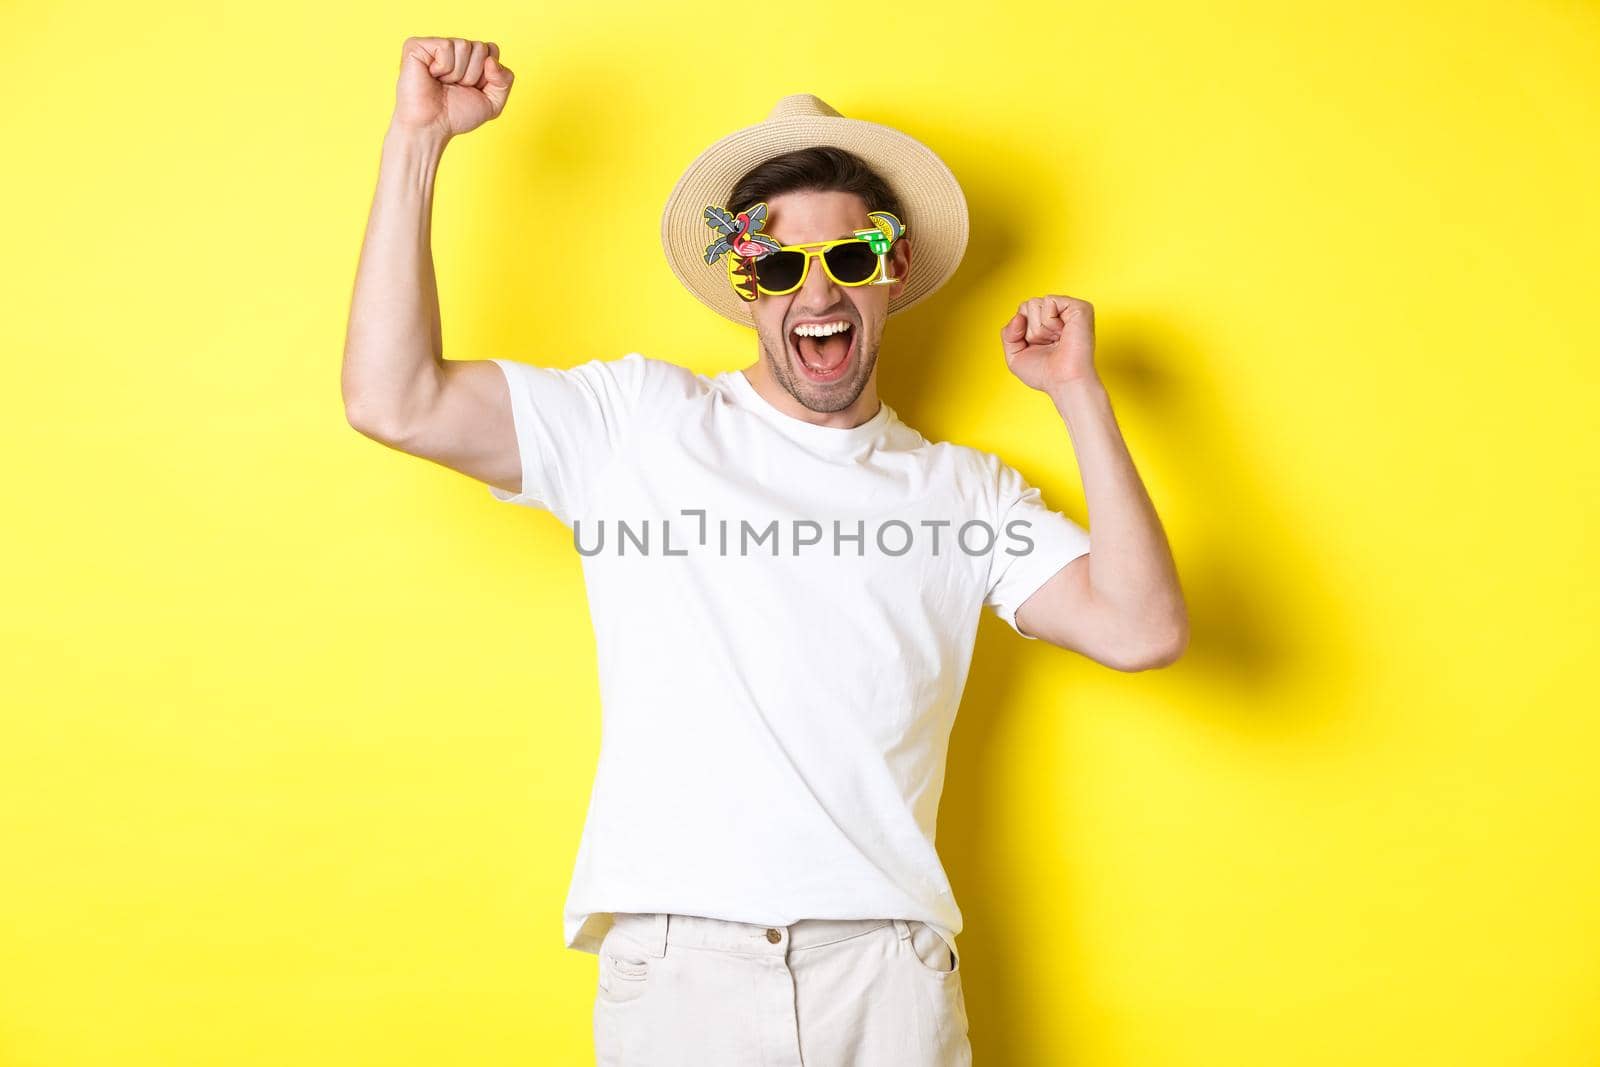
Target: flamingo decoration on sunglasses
[{"x": 738, "y": 236}]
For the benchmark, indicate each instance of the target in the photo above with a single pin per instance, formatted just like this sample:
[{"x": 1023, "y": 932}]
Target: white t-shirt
[{"x": 784, "y": 616}]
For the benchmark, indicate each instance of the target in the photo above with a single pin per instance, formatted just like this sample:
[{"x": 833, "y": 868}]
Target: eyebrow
[{"x": 841, "y": 237}]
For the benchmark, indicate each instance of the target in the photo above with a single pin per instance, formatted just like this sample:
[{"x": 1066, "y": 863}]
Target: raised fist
[
  {"x": 450, "y": 84},
  {"x": 1050, "y": 341}
]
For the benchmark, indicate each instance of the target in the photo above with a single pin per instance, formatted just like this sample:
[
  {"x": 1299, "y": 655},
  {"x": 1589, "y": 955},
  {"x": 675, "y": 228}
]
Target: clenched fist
[
  {"x": 1050, "y": 341},
  {"x": 449, "y": 85}
]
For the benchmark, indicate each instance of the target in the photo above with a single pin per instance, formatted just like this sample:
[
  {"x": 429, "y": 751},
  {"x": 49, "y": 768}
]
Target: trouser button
[{"x": 774, "y": 936}]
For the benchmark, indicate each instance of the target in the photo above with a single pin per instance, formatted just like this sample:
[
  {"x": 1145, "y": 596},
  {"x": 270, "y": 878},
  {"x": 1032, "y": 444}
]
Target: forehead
[{"x": 812, "y": 215}]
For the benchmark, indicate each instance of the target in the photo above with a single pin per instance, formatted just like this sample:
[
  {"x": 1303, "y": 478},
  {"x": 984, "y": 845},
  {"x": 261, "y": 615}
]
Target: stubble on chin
[{"x": 807, "y": 394}]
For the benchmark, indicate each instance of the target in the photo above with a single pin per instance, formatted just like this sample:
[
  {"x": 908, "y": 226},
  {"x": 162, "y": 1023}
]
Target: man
[{"x": 784, "y": 578}]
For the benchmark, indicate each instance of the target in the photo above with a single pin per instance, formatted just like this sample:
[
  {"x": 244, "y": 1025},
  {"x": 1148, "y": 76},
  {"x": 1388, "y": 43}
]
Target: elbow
[
  {"x": 1168, "y": 651},
  {"x": 1157, "y": 647},
  {"x": 370, "y": 423}
]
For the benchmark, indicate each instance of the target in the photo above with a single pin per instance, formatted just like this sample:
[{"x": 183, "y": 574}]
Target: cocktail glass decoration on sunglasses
[{"x": 756, "y": 262}]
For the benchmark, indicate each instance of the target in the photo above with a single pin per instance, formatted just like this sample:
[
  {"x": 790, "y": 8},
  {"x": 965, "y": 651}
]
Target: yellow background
[{"x": 298, "y": 731}]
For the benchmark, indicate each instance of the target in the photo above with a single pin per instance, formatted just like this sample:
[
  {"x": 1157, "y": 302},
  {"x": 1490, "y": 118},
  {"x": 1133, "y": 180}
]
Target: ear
[{"x": 900, "y": 264}]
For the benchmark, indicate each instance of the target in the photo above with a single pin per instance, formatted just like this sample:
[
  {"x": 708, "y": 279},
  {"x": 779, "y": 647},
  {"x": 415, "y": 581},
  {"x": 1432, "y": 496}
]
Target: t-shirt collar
[{"x": 841, "y": 438}]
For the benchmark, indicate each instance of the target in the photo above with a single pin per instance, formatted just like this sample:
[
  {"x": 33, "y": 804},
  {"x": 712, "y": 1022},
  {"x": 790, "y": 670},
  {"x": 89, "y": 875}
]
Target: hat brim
[{"x": 935, "y": 207}]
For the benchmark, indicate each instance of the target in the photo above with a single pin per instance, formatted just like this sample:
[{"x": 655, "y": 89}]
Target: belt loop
[
  {"x": 658, "y": 934},
  {"x": 903, "y": 928}
]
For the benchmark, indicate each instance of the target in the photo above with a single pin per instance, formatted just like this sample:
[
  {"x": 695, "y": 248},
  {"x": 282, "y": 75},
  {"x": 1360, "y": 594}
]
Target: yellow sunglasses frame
[{"x": 738, "y": 278}]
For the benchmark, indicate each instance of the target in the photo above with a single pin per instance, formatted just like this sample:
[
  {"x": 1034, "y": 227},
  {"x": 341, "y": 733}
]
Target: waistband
[{"x": 656, "y": 930}]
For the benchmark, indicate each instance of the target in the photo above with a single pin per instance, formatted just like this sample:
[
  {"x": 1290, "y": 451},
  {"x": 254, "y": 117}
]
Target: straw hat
[{"x": 935, "y": 208}]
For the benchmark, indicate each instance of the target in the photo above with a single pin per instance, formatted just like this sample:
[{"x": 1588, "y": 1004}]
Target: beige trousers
[{"x": 691, "y": 991}]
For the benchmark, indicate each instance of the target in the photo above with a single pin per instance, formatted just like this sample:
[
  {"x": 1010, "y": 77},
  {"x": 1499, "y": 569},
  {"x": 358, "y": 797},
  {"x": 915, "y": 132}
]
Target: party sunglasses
[
  {"x": 848, "y": 261},
  {"x": 756, "y": 262}
]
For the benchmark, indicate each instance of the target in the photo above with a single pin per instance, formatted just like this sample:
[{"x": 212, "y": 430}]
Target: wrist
[
  {"x": 425, "y": 140},
  {"x": 1083, "y": 385}
]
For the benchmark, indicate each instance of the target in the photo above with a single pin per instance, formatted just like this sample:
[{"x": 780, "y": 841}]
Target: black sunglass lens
[
  {"x": 780, "y": 270},
  {"x": 853, "y": 262}
]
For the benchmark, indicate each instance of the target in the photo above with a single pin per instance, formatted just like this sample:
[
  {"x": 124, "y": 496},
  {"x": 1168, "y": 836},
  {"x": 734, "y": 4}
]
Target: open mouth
[{"x": 824, "y": 358}]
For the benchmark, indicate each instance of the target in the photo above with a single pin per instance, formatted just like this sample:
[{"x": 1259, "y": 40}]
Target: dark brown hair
[{"x": 820, "y": 169}]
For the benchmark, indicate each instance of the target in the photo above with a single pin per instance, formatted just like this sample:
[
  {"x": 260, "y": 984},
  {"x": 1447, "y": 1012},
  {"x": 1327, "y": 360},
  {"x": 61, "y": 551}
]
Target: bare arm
[
  {"x": 393, "y": 350},
  {"x": 1120, "y": 604},
  {"x": 398, "y": 388}
]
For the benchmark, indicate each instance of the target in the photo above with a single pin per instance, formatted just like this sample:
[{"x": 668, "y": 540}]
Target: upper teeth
[{"x": 821, "y": 329}]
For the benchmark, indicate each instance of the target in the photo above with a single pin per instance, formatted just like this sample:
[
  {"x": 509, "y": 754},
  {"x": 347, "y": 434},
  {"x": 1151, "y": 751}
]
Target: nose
[{"x": 819, "y": 289}]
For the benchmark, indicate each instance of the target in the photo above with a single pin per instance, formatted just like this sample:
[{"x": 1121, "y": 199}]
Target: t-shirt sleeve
[
  {"x": 1032, "y": 542},
  {"x": 570, "y": 423}
]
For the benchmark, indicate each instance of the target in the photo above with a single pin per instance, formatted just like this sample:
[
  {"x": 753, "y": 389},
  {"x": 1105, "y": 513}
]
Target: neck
[{"x": 865, "y": 406}]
